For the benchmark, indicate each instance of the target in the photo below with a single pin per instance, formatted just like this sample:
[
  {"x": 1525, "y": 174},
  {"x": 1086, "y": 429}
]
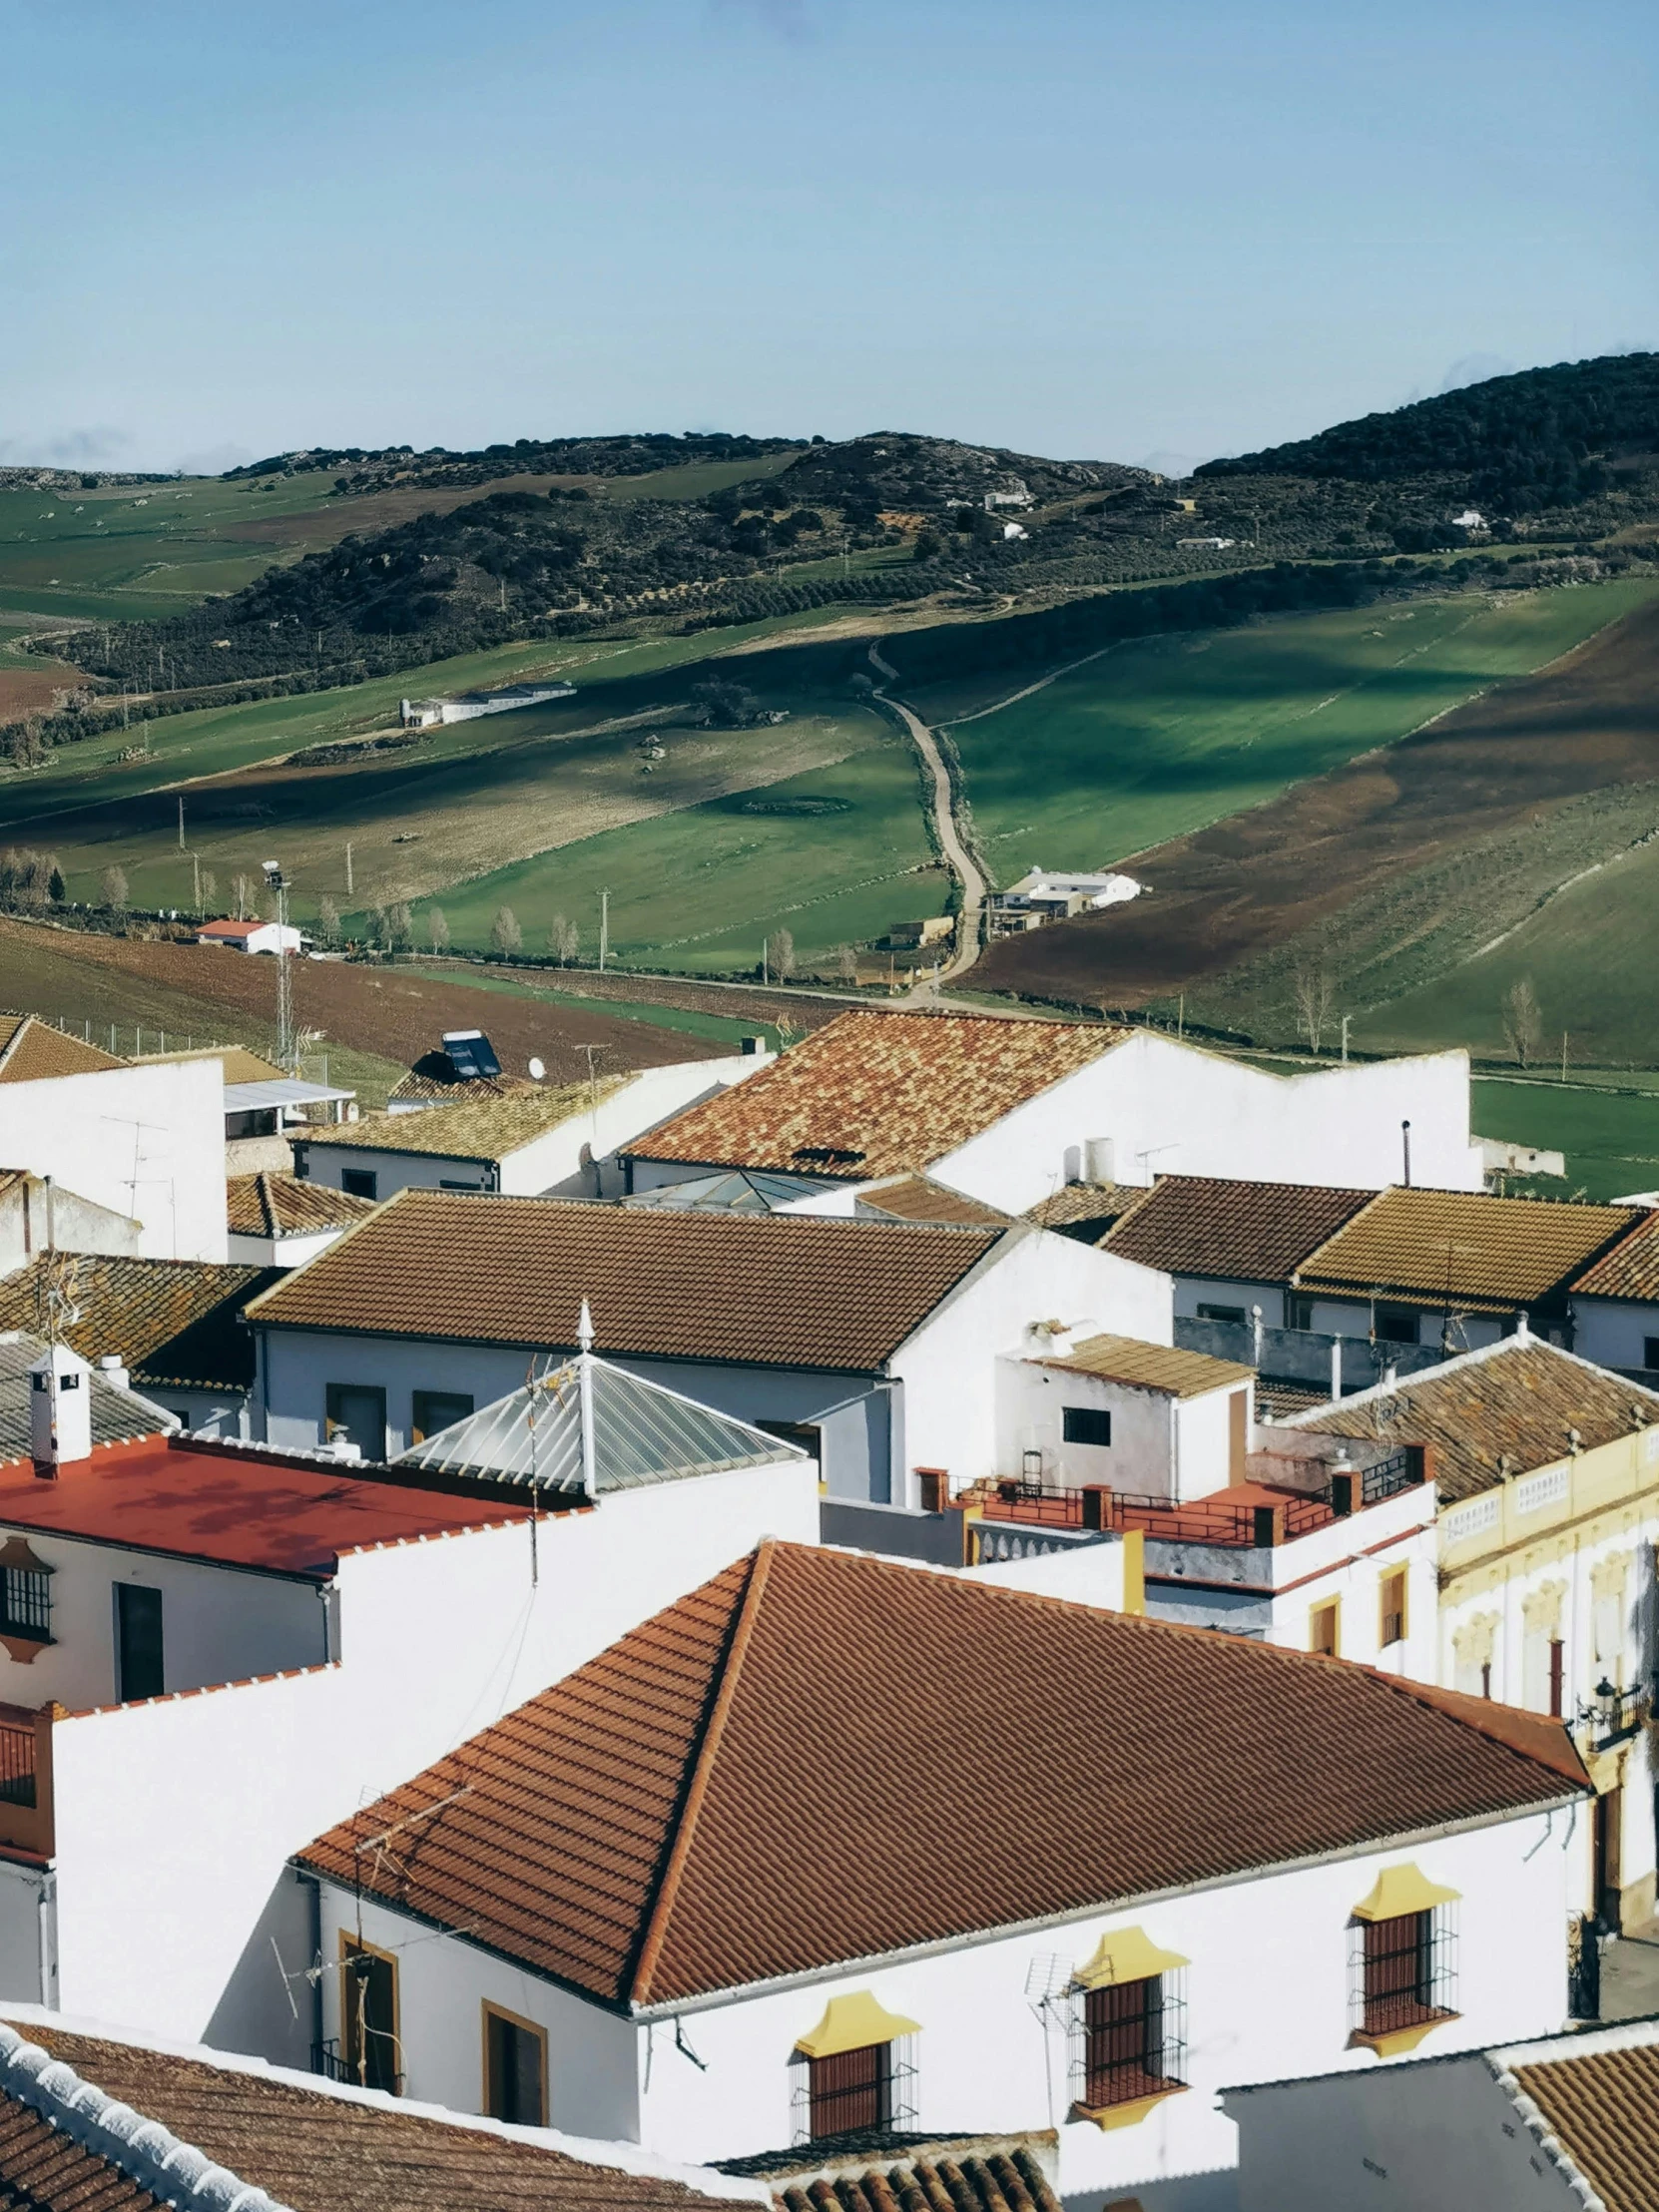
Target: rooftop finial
[{"x": 584, "y": 1329}]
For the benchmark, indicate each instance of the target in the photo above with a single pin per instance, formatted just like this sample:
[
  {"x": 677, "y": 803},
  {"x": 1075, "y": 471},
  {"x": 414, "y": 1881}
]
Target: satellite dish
[{"x": 537, "y": 1070}]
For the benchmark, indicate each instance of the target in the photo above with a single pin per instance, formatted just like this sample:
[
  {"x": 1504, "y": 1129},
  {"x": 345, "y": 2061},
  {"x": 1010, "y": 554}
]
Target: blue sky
[{"x": 1106, "y": 230}]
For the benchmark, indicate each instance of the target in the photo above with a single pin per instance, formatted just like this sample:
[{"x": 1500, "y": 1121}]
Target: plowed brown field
[{"x": 1588, "y": 722}]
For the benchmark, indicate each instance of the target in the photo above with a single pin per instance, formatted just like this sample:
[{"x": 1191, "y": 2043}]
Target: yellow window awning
[
  {"x": 1402, "y": 1890},
  {"x": 1126, "y": 1955},
  {"x": 854, "y": 2023}
]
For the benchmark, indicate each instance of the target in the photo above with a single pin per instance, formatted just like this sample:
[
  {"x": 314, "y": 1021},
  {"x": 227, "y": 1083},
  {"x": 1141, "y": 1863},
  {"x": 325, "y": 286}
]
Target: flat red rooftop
[{"x": 233, "y": 1508}]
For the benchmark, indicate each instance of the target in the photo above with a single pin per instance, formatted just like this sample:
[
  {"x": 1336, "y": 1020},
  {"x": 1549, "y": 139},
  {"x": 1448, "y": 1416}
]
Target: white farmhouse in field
[
  {"x": 1046, "y": 1866},
  {"x": 1050, "y": 894},
  {"x": 279, "y": 1637},
  {"x": 872, "y": 1344},
  {"x": 426, "y": 713},
  {"x": 1010, "y": 1112},
  {"x": 250, "y": 936}
]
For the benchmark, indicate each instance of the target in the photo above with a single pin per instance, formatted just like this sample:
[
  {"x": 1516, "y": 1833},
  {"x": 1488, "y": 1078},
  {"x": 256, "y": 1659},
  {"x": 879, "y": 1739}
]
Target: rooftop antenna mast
[{"x": 286, "y": 1055}]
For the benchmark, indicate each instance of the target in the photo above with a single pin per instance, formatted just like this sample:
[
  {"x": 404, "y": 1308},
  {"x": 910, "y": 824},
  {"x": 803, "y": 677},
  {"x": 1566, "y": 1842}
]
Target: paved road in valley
[{"x": 945, "y": 821}]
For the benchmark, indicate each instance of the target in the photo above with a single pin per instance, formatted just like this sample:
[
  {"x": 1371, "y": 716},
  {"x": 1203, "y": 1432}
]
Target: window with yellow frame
[{"x": 1325, "y": 1628}]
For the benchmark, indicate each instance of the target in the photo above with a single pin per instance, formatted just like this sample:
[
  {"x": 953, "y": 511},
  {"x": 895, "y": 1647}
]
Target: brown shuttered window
[
  {"x": 1131, "y": 2043},
  {"x": 1407, "y": 1967},
  {"x": 852, "y": 2090}
]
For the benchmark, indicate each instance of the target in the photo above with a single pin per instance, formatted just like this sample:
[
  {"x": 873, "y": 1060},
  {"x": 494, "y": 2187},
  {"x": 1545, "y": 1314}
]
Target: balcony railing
[
  {"x": 26, "y": 1777},
  {"x": 17, "y": 1764},
  {"x": 1615, "y": 1715}
]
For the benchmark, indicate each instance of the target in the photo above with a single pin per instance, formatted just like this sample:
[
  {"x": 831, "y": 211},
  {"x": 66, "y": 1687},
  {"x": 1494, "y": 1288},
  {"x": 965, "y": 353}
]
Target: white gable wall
[
  {"x": 146, "y": 1141},
  {"x": 1169, "y": 1109}
]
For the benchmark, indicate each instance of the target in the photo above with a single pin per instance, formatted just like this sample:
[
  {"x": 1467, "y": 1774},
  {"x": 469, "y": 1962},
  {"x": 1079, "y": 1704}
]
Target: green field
[
  {"x": 1610, "y": 1138},
  {"x": 718, "y": 1028},
  {"x": 1161, "y": 736}
]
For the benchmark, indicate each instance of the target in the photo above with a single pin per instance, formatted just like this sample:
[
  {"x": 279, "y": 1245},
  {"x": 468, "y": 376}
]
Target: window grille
[
  {"x": 1403, "y": 1973},
  {"x": 26, "y": 1603},
  {"x": 1085, "y": 1424},
  {"x": 853, "y": 2092},
  {"x": 1128, "y": 2039}
]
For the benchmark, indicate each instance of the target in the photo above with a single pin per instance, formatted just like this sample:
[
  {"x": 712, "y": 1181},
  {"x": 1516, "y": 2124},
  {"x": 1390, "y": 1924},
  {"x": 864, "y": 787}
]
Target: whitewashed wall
[
  {"x": 1031, "y": 1398},
  {"x": 176, "y": 1819},
  {"x": 1266, "y": 1990},
  {"x": 217, "y": 1624},
  {"x": 951, "y": 1369},
  {"x": 77, "y": 1226},
  {"x": 1105, "y": 1573},
  {"x": 1614, "y": 1331},
  {"x": 278, "y": 1252},
  {"x": 1439, "y": 2138},
  {"x": 1347, "y": 1560},
  {"x": 145, "y": 1141},
  {"x": 1169, "y": 1109}
]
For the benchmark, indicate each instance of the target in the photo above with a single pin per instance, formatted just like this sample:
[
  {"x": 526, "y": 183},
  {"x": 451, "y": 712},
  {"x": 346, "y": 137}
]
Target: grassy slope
[
  {"x": 1612, "y": 1139},
  {"x": 1159, "y": 738}
]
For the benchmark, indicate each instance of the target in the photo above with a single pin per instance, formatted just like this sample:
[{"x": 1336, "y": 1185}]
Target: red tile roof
[
  {"x": 876, "y": 1094},
  {"x": 777, "y": 1290},
  {"x": 32, "y": 1051},
  {"x": 1234, "y": 1231},
  {"x": 620, "y": 1831},
  {"x": 272, "y": 1205},
  {"x": 314, "y": 2147},
  {"x": 1630, "y": 1269},
  {"x": 172, "y": 1322},
  {"x": 234, "y": 1509},
  {"x": 887, "y": 2172}
]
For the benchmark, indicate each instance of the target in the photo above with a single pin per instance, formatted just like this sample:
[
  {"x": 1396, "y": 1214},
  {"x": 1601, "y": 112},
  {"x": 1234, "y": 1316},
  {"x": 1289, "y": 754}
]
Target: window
[
  {"x": 1085, "y": 1424},
  {"x": 1298, "y": 1313},
  {"x": 1392, "y": 1627},
  {"x": 435, "y": 1410},
  {"x": 359, "y": 1182},
  {"x": 1128, "y": 2042},
  {"x": 1650, "y": 1351},
  {"x": 140, "y": 1671},
  {"x": 1325, "y": 1628},
  {"x": 515, "y": 2069},
  {"x": 369, "y": 2017},
  {"x": 856, "y": 2070},
  {"x": 357, "y": 1413},
  {"x": 1402, "y": 1960},
  {"x": 1398, "y": 1325},
  {"x": 25, "y": 1594},
  {"x": 1235, "y": 1313},
  {"x": 1556, "y": 1653}
]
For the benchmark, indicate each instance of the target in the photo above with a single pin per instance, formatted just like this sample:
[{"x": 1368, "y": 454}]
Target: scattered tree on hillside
[
  {"x": 400, "y": 927},
  {"x": 24, "y": 748},
  {"x": 327, "y": 923},
  {"x": 210, "y": 889},
  {"x": 438, "y": 924},
  {"x": 780, "y": 955},
  {"x": 720, "y": 705},
  {"x": 846, "y": 964},
  {"x": 1523, "y": 1022},
  {"x": 242, "y": 891},
  {"x": 26, "y": 876},
  {"x": 1315, "y": 997},
  {"x": 113, "y": 884},
  {"x": 56, "y": 890},
  {"x": 564, "y": 941},
  {"x": 374, "y": 927},
  {"x": 505, "y": 933}
]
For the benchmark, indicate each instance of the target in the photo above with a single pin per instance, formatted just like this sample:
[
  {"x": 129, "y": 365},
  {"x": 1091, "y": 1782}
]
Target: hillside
[{"x": 1548, "y": 437}]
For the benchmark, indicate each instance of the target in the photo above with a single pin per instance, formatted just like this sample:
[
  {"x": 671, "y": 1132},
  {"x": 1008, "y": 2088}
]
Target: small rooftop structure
[
  {"x": 587, "y": 1428},
  {"x": 279, "y": 1220},
  {"x": 31, "y": 1050},
  {"x": 118, "y": 1414},
  {"x": 728, "y": 1191},
  {"x": 103, "y": 2119},
  {"x": 1163, "y": 1370}
]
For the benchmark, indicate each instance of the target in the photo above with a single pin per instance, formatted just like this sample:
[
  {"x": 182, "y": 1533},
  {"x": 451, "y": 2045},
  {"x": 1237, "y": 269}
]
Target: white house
[
  {"x": 38, "y": 1215},
  {"x": 1012, "y": 1111},
  {"x": 1547, "y": 1474},
  {"x": 873, "y": 1345},
  {"x": 145, "y": 1142},
  {"x": 251, "y": 936},
  {"x": 526, "y": 1143},
  {"x": 1615, "y": 1302},
  {"x": 425, "y": 714},
  {"x": 1056, "y": 895},
  {"x": 1045, "y": 1866},
  {"x": 1076, "y": 1407},
  {"x": 277, "y": 1221},
  {"x": 104, "y": 2117},
  {"x": 1560, "y": 2124},
  {"x": 281, "y": 1638}
]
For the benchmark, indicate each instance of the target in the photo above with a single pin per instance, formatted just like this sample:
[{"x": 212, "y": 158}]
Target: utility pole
[
  {"x": 181, "y": 824},
  {"x": 278, "y": 882},
  {"x": 1347, "y": 1018},
  {"x": 604, "y": 929},
  {"x": 349, "y": 892},
  {"x": 1563, "y": 1055},
  {"x": 196, "y": 880},
  {"x": 1181, "y": 1018}
]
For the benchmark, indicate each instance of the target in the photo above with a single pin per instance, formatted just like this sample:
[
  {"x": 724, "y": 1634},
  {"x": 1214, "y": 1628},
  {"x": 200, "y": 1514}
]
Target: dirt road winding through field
[{"x": 952, "y": 847}]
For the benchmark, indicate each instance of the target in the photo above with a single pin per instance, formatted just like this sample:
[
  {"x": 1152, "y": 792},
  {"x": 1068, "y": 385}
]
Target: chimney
[
  {"x": 113, "y": 1369},
  {"x": 60, "y": 1411}
]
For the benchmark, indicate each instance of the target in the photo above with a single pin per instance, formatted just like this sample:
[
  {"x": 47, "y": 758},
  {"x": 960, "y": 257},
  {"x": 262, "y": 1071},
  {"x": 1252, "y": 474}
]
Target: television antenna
[{"x": 286, "y": 1050}]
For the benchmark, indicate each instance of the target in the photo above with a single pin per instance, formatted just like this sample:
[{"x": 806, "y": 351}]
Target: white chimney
[
  {"x": 113, "y": 1369},
  {"x": 60, "y": 1411},
  {"x": 1098, "y": 1162}
]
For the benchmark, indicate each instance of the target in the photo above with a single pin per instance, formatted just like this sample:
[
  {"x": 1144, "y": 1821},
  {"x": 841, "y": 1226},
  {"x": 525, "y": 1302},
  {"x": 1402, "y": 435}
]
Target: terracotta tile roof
[
  {"x": 770, "y": 1289},
  {"x": 882, "y": 2172},
  {"x": 318, "y": 2148},
  {"x": 236, "y": 1508},
  {"x": 472, "y": 1129},
  {"x": 1515, "y": 1401},
  {"x": 170, "y": 1320},
  {"x": 32, "y": 1051},
  {"x": 435, "y": 1076},
  {"x": 876, "y": 1094},
  {"x": 270, "y": 1205},
  {"x": 1630, "y": 1269},
  {"x": 1603, "y": 2108},
  {"x": 1464, "y": 1249},
  {"x": 43, "y": 2170},
  {"x": 1234, "y": 1231},
  {"x": 241, "y": 1065},
  {"x": 1086, "y": 1210},
  {"x": 919, "y": 1198},
  {"x": 619, "y": 1831},
  {"x": 1165, "y": 1368}
]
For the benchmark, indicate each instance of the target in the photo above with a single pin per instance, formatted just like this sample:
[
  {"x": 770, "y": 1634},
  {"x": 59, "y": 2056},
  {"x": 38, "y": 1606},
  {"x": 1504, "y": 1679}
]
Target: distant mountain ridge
[{"x": 1543, "y": 438}]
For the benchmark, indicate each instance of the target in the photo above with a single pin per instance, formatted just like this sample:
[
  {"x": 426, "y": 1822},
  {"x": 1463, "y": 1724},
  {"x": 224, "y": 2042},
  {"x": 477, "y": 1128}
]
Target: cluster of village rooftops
[{"x": 984, "y": 1613}]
